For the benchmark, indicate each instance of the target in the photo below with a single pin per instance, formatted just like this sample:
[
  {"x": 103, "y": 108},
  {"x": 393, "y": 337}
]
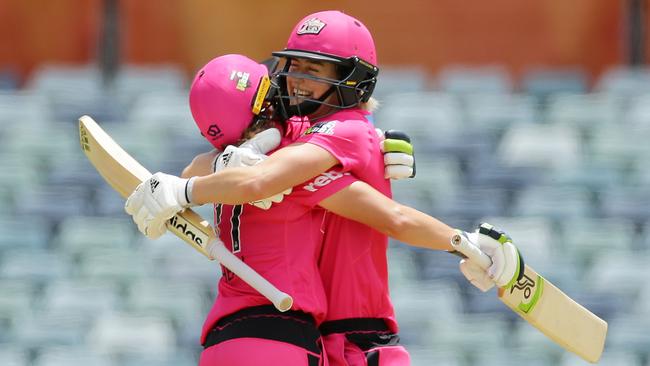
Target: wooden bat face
[{"x": 124, "y": 174}]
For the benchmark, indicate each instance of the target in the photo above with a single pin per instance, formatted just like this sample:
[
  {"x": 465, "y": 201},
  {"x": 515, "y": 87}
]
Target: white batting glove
[
  {"x": 476, "y": 275},
  {"x": 399, "y": 161},
  {"x": 250, "y": 153},
  {"x": 507, "y": 264},
  {"x": 156, "y": 200}
]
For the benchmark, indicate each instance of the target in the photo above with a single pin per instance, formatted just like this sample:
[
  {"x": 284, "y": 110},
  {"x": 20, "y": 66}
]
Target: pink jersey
[
  {"x": 282, "y": 244},
  {"x": 353, "y": 263}
]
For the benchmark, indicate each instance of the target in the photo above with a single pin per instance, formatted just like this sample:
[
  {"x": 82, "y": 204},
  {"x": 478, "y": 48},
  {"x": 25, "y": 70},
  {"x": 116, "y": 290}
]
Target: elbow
[
  {"x": 396, "y": 224},
  {"x": 254, "y": 188}
]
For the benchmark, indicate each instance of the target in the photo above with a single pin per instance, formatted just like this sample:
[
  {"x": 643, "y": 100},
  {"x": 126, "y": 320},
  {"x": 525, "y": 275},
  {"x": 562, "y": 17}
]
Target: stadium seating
[{"x": 561, "y": 168}]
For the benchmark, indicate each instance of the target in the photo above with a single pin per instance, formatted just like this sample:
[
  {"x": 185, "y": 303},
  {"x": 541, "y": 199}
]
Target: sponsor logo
[
  {"x": 213, "y": 132},
  {"x": 83, "y": 139},
  {"x": 531, "y": 291},
  {"x": 187, "y": 230},
  {"x": 242, "y": 79},
  {"x": 311, "y": 26},
  {"x": 322, "y": 127},
  {"x": 153, "y": 183},
  {"x": 323, "y": 180},
  {"x": 262, "y": 91},
  {"x": 225, "y": 158}
]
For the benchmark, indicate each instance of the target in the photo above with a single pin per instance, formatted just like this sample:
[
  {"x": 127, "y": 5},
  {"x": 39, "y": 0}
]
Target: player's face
[{"x": 305, "y": 88}]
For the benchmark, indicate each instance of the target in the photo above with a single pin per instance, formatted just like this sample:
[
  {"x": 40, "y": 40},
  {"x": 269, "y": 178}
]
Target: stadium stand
[{"x": 548, "y": 161}]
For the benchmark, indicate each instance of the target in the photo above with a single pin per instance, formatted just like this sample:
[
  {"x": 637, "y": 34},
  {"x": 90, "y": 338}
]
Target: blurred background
[{"x": 533, "y": 116}]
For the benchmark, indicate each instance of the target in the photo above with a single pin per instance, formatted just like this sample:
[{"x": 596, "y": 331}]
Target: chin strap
[{"x": 309, "y": 106}]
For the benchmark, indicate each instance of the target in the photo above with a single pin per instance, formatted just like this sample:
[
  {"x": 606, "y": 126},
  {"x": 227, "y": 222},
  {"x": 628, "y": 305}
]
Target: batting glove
[
  {"x": 156, "y": 200},
  {"x": 250, "y": 153},
  {"x": 507, "y": 263},
  {"x": 399, "y": 160}
]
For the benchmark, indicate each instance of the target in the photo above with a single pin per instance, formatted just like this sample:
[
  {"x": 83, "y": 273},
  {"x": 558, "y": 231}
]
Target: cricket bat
[
  {"x": 547, "y": 308},
  {"x": 124, "y": 174}
]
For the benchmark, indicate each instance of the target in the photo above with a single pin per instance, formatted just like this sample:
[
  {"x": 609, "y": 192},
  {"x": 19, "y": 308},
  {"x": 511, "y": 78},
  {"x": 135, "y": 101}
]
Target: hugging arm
[{"x": 361, "y": 202}]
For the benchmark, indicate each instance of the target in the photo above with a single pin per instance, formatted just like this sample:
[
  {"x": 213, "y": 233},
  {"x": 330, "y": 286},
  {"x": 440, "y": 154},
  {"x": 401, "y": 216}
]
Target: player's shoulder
[{"x": 342, "y": 123}]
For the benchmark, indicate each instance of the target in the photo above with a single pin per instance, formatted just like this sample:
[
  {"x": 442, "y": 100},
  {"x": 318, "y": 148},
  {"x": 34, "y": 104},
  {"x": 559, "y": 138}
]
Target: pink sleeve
[
  {"x": 311, "y": 192},
  {"x": 351, "y": 142}
]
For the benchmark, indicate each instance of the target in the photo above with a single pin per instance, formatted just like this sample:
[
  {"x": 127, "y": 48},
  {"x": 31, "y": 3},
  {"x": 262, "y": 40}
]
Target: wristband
[{"x": 189, "y": 185}]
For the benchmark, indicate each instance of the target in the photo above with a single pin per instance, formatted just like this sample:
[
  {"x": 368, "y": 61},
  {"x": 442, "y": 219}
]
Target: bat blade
[
  {"x": 547, "y": 308},
  {"x": 123, "y": 173},
  {"x": 555, "y": 314}
]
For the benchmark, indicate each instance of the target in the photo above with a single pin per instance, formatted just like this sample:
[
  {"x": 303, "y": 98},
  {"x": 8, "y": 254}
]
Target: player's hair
[
  {"x": 256, "y": 127},
  {"x": 371, "y": 105}
]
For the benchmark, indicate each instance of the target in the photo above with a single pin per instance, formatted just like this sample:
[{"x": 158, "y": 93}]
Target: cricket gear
[
  {"x": 546, "y": 307},
  {"x": 156, "y": 200},
  {"x": 250, "y": 153},
  {"x": 124, "y": 173},
  {"x": 289, "y": 338},
  {"x": 398, "y": 154},
  {"x": 506, "y": 266},
  {"x": 331, "y": 36},
  {"x": 227, "y": 95},
  {"x": 476, "y": 275}
]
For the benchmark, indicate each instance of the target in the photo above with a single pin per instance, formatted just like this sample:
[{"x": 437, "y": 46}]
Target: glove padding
[
  {"x": 156, "y": 200},
  {"x": 250, "y": 153},
  {"x": 398, "y": 154},
  {"x": 507, "y": 263}
]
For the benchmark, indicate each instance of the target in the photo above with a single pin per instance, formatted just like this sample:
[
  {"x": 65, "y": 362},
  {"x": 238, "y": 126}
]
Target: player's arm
[
  {"x": 362, "y": 203},
  {"x": 286, "y": 168},
  {"x": 201, "y": 165}
]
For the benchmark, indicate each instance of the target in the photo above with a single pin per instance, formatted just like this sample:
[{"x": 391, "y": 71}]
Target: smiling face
[{"x": 300, "y": 88}]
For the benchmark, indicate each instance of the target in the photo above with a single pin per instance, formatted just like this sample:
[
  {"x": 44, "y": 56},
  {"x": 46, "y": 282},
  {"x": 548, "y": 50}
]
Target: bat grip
[
  {"x": 280, "y": 300},
  {"x": 473, "y": 253}
]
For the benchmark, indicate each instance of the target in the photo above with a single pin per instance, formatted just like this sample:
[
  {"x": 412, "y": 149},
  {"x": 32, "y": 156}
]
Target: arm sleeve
[
  {"x": 311, "y": 192},
  {"x": 350, "y": 142}
]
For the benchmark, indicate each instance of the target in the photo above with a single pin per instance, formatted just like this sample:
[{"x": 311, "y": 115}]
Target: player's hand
[
  {"x": 507, "y": 264},
  {"x": 156, "y": 200},
  {"x": 250, "y": 153},
  {"x": 399, "y": 160}
]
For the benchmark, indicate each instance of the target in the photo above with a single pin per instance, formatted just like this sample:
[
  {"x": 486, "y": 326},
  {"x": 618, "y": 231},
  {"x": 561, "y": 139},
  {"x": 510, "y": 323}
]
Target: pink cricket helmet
[
  {"x": 333, "y": 36},
  {"x": 330, "y": 36},
  {"x": 226, "y": 96}
]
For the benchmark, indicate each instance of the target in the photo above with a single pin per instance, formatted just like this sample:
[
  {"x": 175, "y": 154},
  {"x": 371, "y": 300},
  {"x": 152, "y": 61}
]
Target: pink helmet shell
[
  {"x": 222, "y": 96},
  {"x": 331, "y": 33}
]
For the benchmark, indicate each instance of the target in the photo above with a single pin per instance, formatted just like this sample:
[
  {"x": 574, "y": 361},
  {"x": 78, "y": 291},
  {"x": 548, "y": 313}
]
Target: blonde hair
[{"x": 371, "y": 105}]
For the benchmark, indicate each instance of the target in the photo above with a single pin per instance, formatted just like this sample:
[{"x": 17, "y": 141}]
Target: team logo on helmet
[
  {"x": 311, "y": 26},
  {"x": 213, "y": 132},
  {"x": 242, "y": 79}
]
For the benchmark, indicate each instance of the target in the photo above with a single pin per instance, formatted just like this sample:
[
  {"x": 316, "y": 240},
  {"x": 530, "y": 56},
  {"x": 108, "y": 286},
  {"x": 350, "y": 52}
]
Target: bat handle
[
  {"x": 460, "y": 243},
  {"x": 280, "y": 300}
]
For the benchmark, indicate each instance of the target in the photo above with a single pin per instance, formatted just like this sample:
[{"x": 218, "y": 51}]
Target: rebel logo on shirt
[
  {"x": 311, "y": 26},
  {"x": 323, "y": 180},
  {"x": 322, "y": 127}
]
